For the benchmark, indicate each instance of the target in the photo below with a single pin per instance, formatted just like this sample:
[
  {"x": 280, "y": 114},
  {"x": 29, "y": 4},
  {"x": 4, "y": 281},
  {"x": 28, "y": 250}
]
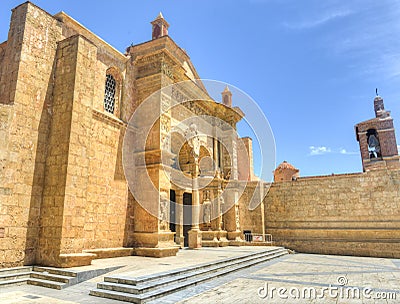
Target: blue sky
[{"x": 311, "y": 65}]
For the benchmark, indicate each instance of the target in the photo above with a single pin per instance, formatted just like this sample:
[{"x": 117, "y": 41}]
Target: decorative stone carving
[
  {"x": 165, "y": 124},
  {"x": 193, "y": 139},
  {"x": 237, "y": 217},
  {"x": 167, "y": 70},
  {"x": 176, "y": 95},
  {"x": 165, "y": 102},
  {"x": 164, "y": 201},
  {"x": 165, "y": 142},
  {"x": 207, "y": 208}
]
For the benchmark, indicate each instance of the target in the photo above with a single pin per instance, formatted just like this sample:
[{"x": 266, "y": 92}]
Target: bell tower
[
  {"x": 160, "y": 27},
  {"x": 227, "y": 97},
  {"x": 377, "y": 140}
]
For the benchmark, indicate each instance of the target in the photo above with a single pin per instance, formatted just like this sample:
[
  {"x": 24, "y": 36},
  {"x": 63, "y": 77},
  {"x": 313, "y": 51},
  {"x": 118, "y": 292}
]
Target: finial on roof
[
  {"x": 379, "y": 106},
  {"x": 376, "y": 92},
  {"x": 160, "y": 27},
  {"x": 227, "y": 97}
]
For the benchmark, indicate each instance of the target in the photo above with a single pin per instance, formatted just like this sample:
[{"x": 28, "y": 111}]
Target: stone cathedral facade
[{"x": 66, "y": 101}]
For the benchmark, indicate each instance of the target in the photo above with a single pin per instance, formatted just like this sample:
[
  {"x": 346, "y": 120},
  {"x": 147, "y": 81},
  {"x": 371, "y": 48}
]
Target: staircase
[
  {"x": 15, "y": 276},
  {"x": 40, "y": 276},
  {"x": 146, "y": 288},
  {"x": 49, "y": 277}
]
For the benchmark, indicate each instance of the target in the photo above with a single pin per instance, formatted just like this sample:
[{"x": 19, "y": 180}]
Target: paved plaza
[{"x": 294, "y": 278}]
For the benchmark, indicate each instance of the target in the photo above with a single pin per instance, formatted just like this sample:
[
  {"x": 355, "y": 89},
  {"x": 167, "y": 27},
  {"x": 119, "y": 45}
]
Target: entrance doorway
[
  {"x": 172, "y": 211},
  {"x": 187, "y": 217}
]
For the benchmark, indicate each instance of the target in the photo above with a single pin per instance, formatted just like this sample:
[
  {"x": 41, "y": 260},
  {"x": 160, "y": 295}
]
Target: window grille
[{"x": 109, "y": 95}]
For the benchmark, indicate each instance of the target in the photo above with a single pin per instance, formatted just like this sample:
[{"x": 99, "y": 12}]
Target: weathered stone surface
[
  {"x": 350, "y": 214},
  {"x": 103, "y": 253}
]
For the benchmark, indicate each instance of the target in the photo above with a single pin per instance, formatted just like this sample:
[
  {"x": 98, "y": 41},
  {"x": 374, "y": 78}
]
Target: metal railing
[{"x": 254, "y": 237}]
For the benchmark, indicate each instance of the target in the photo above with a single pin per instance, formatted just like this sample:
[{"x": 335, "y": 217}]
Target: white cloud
[
  {"x": 345, "y": 152},
  {"x": 398, "y": 149},
  {"x": 318, "y": 21},
  {"x": 319, "y": 150}
]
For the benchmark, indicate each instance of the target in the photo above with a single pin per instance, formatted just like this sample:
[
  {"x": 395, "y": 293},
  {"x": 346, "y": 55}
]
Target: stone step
[
  {"x": 114, "y": 295},
  {"x": 45, "y": 283},
  {"x": 55, "y": 271},
  {"x": 51, "y": 277},
  {"x": 43, "y": 279},
  {"x": 129, "y": 286},
  {"x": 13, "y": 282},
  {"x": 14, "y": 276},
  {"x": 21, "y": 269},
  {"x": 48, "y": 276},
  {"x": 140, "y": 293},
  {"x": 138, "y": 290},
  {"x": 180, "y": 271},
  {"x": 164, "y": 290}
]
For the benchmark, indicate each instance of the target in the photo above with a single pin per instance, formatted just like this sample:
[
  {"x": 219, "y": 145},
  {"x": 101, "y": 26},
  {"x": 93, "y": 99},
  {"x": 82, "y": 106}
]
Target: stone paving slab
[
  {"x": 298, "y": 272},
  {"x": 135, "y": 266},
  {"x": 291, "y": 271},
  {"x": 22, "y": 297}
]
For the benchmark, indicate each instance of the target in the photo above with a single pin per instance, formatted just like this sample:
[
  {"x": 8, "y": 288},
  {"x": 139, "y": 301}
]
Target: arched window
[
  {"x": 109, "y": 95},
  {"x": 374, "y": 147}
]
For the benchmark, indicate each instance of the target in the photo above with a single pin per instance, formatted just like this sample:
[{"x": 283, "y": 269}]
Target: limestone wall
[
  {"x": 62, "y": 187},
  {"x": 6, "y": 204},
  {"x": 85, "y": 199},
  {"x": 105, "y": 203},
  {"x": 107, "y": 192},
  {"x": 355, "y": 214},
  {"x": 245, "y": 159},
  {"x": 107, "y": 58},
  {"x": 2, "y": 55},
  {"x": 25, "y": 89},
  {"x": 250, "y": 219}
]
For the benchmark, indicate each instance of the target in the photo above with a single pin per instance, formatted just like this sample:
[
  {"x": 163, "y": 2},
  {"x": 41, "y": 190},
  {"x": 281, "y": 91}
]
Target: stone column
[
  {"x": 179, "y": 238},
  {"x": 195, "y": 197},
  {"x": 233, "y": 225},
  {"x": 262, "y": 210},
  {"x": 215, "y": 152},
  {"x": 193, "y": 139},
  {"x": 220, "y": 201},
  {"x": 195, "y": 233}
]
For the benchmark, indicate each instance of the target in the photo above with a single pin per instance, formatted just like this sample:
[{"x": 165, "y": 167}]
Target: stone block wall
[
  {"x": 245, "y": 159},
  {"x": 250, "y": 219},
  {"x": 81, "y": 59},
  {"x": 107, "y": 58},
  {"x": 354, "y": 214},
  {"x": 107, "y": 192},
  {"x": 25, "y": 89},
  {"x": 62, "y": 188},
  {"x": 60, "y": 184},
  {"x": 7, "y": 256},
  {"x": 3, "y": 46},
  {"x": 105, "y": 208},
  {"x": 85, "y": 201}
]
